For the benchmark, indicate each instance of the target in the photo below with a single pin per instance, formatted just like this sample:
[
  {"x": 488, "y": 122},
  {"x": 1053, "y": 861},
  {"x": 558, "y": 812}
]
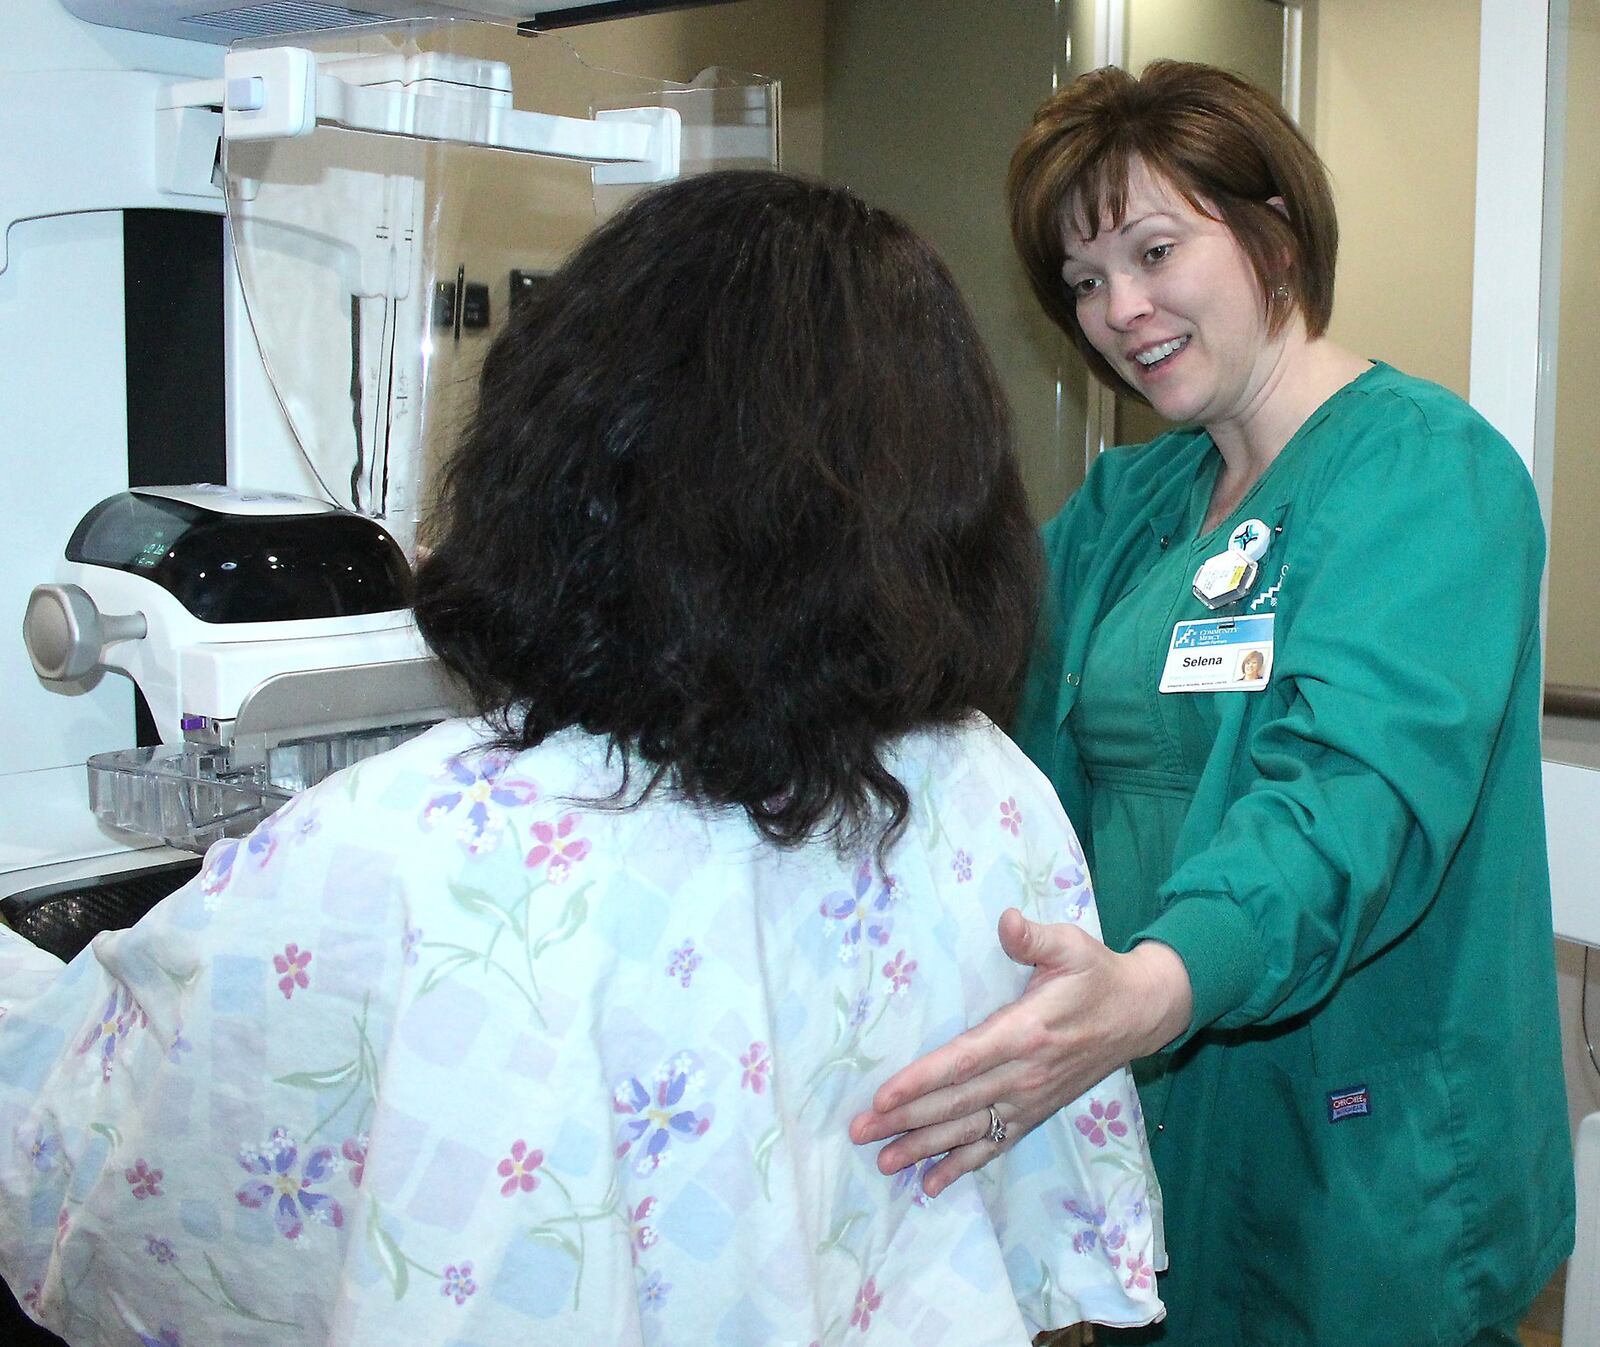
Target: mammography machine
[{"x": 250, "y": 258}]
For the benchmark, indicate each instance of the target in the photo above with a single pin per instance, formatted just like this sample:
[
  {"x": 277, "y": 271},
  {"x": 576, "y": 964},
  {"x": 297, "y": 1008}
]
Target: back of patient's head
[{"x": 739, "y": 494}]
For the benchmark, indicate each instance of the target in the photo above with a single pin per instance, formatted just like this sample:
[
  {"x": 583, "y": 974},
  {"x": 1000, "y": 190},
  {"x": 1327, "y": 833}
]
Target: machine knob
[{"x": 66, "y": 634}]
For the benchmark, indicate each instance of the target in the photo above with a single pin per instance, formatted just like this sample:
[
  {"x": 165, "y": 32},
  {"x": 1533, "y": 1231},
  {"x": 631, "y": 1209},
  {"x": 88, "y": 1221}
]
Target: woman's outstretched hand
[{"x": 1085, "y": 1012}]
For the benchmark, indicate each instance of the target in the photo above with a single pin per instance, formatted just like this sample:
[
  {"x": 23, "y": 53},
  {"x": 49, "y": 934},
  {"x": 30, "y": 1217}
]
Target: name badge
[{"x": 1220, "y": 654}]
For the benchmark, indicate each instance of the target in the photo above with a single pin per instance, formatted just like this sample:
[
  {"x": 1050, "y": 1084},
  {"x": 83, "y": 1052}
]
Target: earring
[{"x": 1281, "y": 293}]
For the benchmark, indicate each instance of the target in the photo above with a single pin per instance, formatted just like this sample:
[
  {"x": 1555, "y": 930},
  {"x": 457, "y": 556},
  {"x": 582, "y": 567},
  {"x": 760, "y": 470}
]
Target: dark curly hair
[{"x": 739, "y": 493}]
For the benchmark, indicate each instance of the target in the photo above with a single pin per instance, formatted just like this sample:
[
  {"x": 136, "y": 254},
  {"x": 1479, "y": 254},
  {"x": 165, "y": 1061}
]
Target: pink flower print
[
  {"x": 899, "y": 970},
  {"x": 1011, "y": 816},
  {"x": 408, "y": 945},
  {"x": 458, "y": 1283},
  {"x": 292, "y": 1198},
  {"x": 475, "y": 794},
  {"x": 962, "y": 865},
  {"x": 159, "y": 1249},
  {"x": 860, "y": 917},
  {"x": 30, "y": 1298},
  {"x": 683, "y": 963},
  {"x": 292, "y": 964},
  {"x": 517, "y": 1169},
  {"x": 63, "y": 1224},
  {"x": 659, "y": 1115},
  {"x": 354, "y": 1151},
  {"x": 144, "y": 1181},
  {"x": 557, "y": 848},
  {"x": 756, "y": 1063},
  {"x": 653, "y": 1294},
  {"x": 868, "y": 1298},
  {"x": 1100, "y": 1119},
  {"x": 1139, "y": 1271},
  {"x": 643, "y": 1234}
]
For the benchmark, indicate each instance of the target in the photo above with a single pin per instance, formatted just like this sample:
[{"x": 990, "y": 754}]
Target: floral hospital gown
[{"x": 449, "y": 1052}]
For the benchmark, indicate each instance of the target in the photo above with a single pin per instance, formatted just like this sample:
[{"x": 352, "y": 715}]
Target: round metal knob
[{"x": 66, "y": 634}]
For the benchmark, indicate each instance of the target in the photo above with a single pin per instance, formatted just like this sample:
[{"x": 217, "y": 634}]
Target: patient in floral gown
[{"x": 547, "y": 1026}]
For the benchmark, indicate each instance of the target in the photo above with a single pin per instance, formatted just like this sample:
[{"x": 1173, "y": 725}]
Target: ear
[{"x": 1276, "y": 202}]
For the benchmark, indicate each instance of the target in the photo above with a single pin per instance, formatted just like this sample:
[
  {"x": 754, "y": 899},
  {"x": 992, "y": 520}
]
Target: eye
[
  {"x": 1083, "y": 287},
  {"x": 1158, "y": 253}
]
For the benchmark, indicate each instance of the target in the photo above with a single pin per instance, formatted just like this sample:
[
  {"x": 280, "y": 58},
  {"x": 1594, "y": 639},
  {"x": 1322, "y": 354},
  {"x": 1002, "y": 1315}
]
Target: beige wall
[
  {"x": 1572, "y": 649},
  {"x": 1396, "y": 122}
]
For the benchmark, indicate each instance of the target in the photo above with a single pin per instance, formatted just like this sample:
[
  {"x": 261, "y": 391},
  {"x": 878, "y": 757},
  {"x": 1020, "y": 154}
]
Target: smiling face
[{"x": 1169, "y": 299}]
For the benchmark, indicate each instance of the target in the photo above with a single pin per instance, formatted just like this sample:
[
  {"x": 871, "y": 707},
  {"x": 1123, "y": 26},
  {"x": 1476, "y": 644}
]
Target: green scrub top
[{"x": 1363, "y": 1136}]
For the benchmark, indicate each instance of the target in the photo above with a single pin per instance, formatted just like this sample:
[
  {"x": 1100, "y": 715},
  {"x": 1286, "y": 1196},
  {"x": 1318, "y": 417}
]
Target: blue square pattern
[
  {"x": 698, "y": 1222},
  {"x": 535, "y": 1279},
  {"x": 239, "y": 986}
]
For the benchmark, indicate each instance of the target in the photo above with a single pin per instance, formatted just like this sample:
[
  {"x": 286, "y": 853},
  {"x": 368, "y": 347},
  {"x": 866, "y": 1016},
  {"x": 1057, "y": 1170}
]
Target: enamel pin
[{"x": 1230, "y": 575}]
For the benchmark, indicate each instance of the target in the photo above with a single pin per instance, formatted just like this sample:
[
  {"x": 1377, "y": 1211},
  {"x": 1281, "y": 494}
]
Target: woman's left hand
[{"x": 1085, "y": 1012}]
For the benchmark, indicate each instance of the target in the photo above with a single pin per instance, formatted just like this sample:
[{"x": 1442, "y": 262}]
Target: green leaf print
[
  {"x": 389, "y": 1257},
  {"x": 573, "y": 915},
  {"x": 318, "y": 1080},
  {"x": 109, "y": 1132},
  {"x": 548, "y": 1234}
]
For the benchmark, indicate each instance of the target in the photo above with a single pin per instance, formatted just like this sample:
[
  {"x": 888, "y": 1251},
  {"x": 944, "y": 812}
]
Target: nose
[{"x": 1127, "y": 301}]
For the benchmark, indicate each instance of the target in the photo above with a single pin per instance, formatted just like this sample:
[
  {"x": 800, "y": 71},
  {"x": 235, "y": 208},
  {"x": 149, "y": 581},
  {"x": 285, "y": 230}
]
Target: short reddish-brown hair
[{"x": 1220, "y": 142}]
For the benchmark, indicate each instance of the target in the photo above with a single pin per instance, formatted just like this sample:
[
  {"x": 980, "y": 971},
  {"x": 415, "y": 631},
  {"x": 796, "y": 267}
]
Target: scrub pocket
[{"x": 1350, "y": 1220}]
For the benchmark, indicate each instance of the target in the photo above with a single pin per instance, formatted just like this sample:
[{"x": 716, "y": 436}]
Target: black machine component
[
  {"x": 62, "y": 918},
  {"x": 226, "y": 567}
]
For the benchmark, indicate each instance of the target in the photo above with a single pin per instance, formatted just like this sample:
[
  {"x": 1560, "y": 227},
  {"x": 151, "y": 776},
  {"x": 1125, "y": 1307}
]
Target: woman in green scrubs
[{"x": 1323, "y": 881}]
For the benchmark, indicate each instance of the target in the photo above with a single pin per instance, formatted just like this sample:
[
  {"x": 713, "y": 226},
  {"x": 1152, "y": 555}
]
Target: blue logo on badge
[
  {"x": 1245, "y": 536},
  {"x": 1356, "y": 1102}
]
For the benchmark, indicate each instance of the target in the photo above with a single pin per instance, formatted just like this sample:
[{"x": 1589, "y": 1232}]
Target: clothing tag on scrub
[{"x": 1220, "y": 654}]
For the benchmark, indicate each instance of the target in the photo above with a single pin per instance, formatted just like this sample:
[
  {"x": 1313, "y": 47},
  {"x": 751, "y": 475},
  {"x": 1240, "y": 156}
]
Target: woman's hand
[{"x": 1085, "y": 1012}]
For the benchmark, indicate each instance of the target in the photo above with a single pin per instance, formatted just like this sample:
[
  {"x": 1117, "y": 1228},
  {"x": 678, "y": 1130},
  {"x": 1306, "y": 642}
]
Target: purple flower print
[
  {"x": 408, "y": 945},
  {"x": 899, "y": 970},
  {"x": 517, "y": 1169},
  {"x": 658, "y": 1115},
  {"x": 859, "y": 1008},
  {"x": 292, "y": 1198},
  {"x": 1100, "y": 1119},
  {"x": 962, "y": 865},
  {"x": 653, "y": 1294},
  {"x": 475, "y": 795},
  {"x": 1070, "y": 881},
  {"x": 292, "y": 963},
  {"x": 354, "y": 1151},
  {"x": 1095, "y": 1232},
  {"x": 860, "y": 917},
  {"x": 756, "y": 1063},
  {"x": 168, "y": 1338},
  {"x": 159, "y": 1249},
  {"x": 683, "y": 963},
  {"x": 118, "y": 1018},
  {"x": 1011, "y": 816},
  {"x": 178, "y": 1047},
  {"x": 642, "y": 1233},
  {"x": 43, "y": 1152},
  {"x": 911, "y": 1177},
  {"x": 144, "y": 1181},
  {"x": 458, "y": 1283},
  {"x": 556, "y": 848},
  {"x": 868, "y": 1298},
  {"x": 218, "y": 871}
]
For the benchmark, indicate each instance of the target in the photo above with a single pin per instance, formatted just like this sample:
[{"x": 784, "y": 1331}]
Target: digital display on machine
[{"x": 227, "y": 567}]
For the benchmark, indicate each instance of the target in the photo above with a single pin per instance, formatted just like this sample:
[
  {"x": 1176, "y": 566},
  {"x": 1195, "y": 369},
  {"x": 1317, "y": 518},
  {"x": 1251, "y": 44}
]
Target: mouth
[{"x": 1152, "y": 357}]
